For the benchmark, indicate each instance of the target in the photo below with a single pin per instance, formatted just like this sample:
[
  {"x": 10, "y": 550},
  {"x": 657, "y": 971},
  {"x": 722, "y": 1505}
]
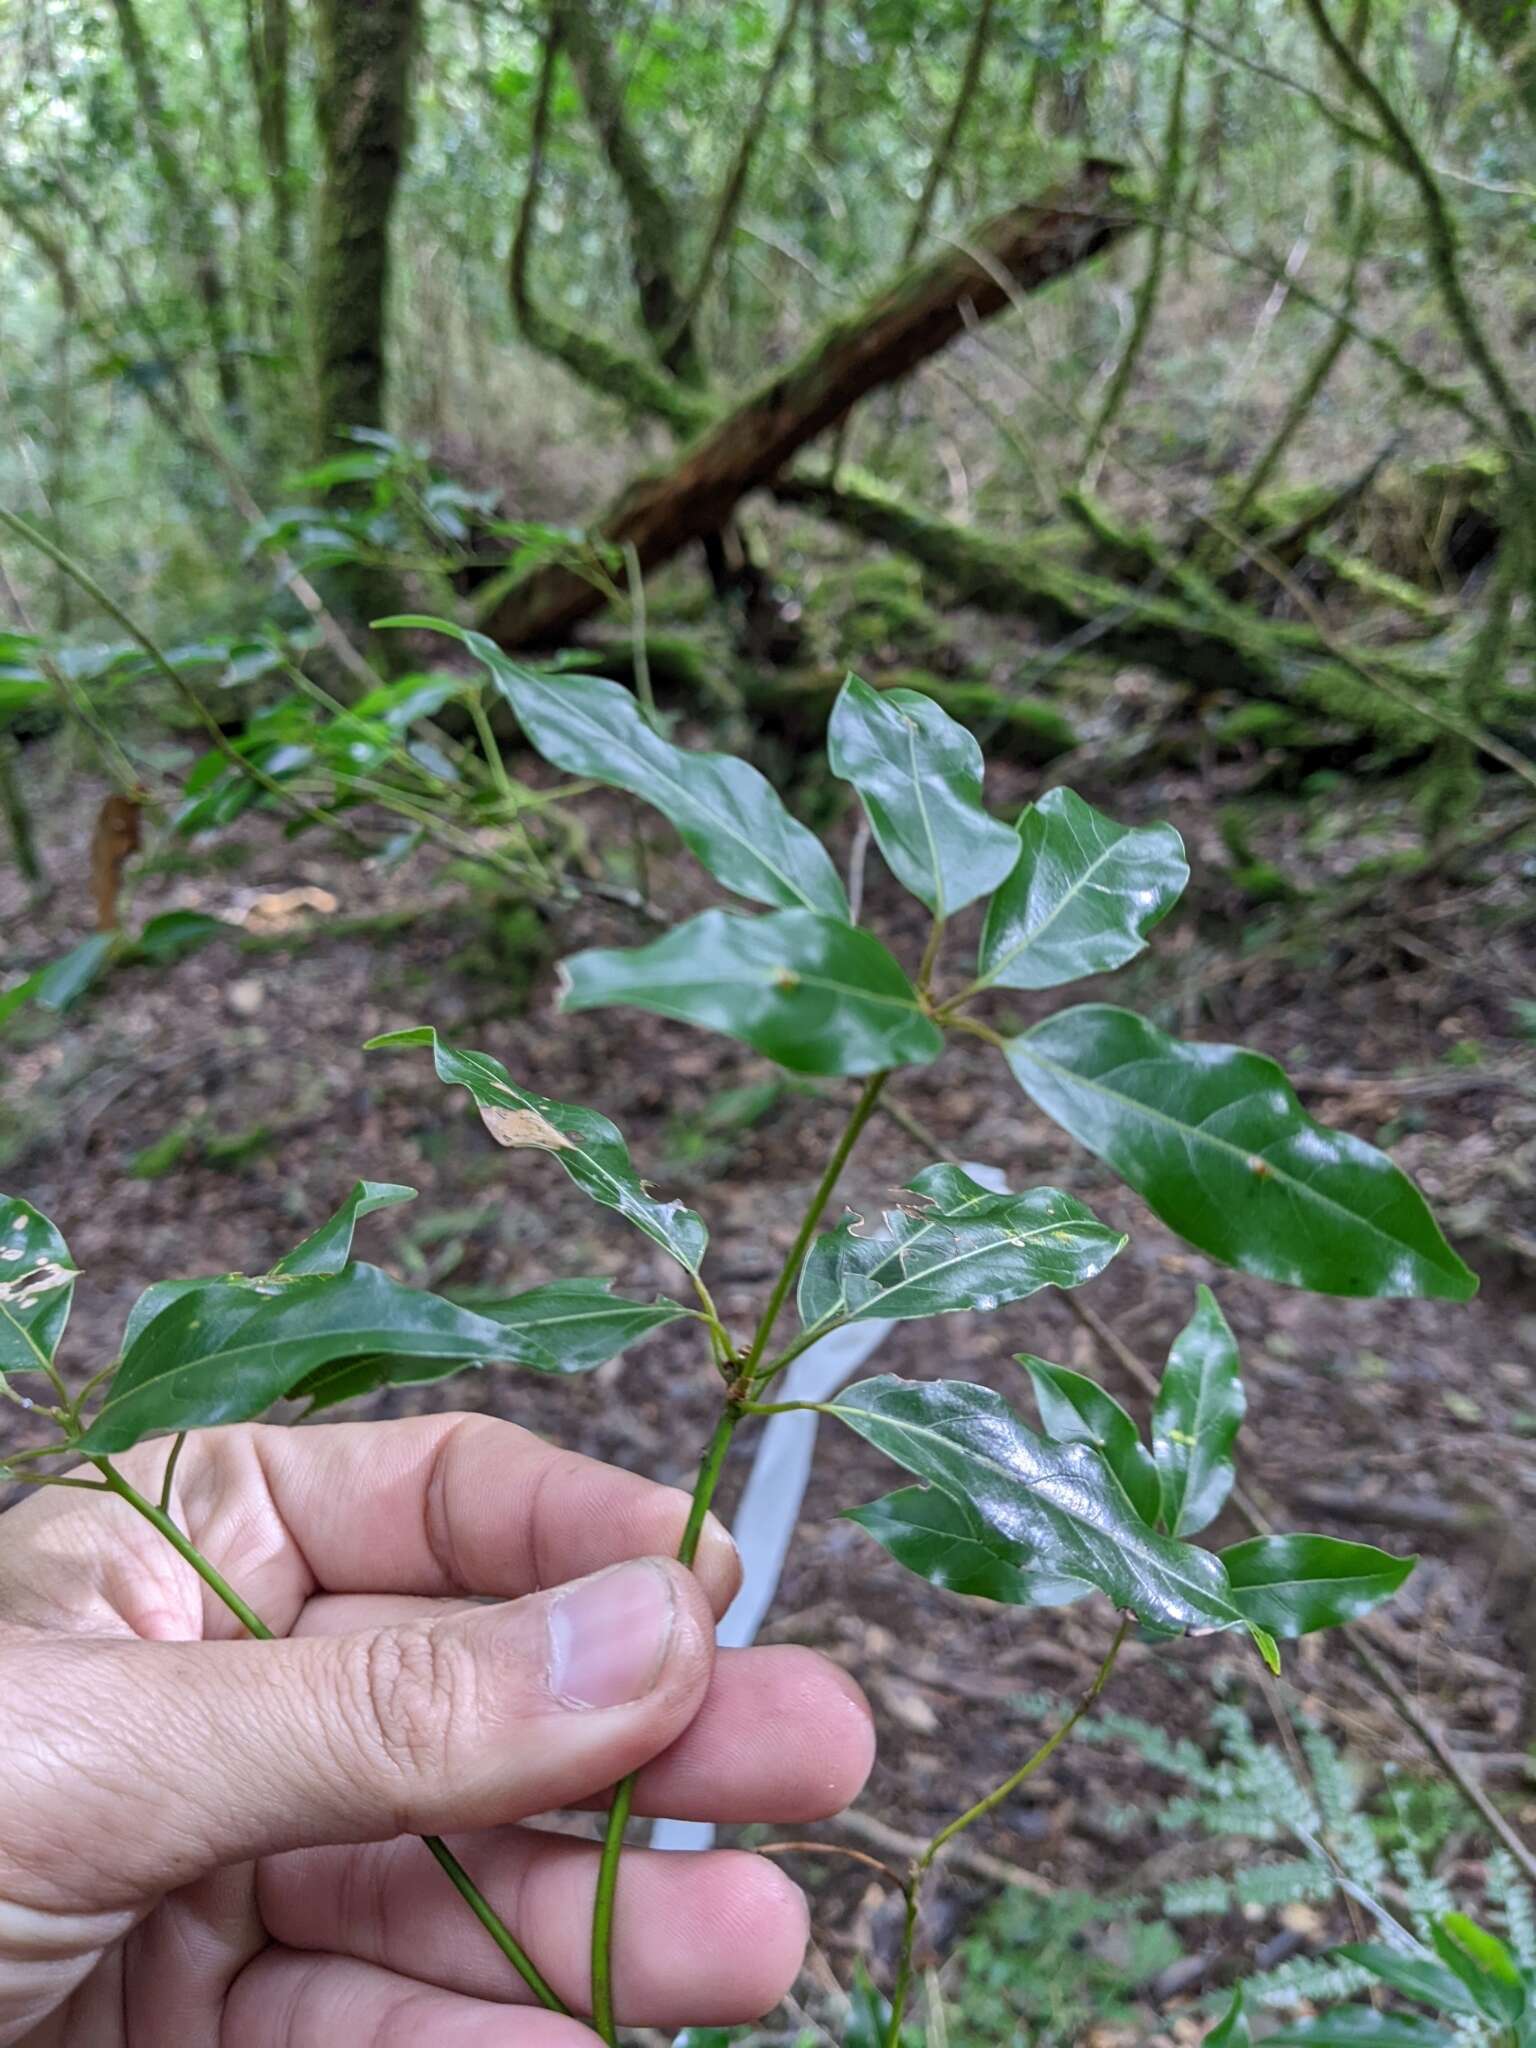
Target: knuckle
[{"x": 416, "y": 1687}]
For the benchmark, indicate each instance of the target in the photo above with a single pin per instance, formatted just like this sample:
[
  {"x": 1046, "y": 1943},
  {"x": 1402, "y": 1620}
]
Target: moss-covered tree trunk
[
  {"x": 921, "y": 313},
  {"x": 1508, "y": 28},
  {"x": 189, "y": 208},
  {"x": 267, "y": 44},
  {"x": 654, "y": 228},
  {"x": 364, "y": 51}
]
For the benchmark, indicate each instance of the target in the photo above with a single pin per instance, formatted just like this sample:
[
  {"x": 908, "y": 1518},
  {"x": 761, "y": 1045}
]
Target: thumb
[{"x": 168, "y": 1760}]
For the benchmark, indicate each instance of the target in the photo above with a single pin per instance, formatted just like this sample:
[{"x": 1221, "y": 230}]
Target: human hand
[{"x": 173, "y": 1793}]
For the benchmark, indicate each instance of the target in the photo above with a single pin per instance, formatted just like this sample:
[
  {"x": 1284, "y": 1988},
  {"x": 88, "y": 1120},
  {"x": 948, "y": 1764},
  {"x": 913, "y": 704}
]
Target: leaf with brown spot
[
  {"x": 522, "y": 1127},
  {"x": 588, "y": 1146}
]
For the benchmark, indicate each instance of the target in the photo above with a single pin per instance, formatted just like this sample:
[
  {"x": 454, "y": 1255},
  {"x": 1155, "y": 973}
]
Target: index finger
[{"x": 437, "y": 1505}]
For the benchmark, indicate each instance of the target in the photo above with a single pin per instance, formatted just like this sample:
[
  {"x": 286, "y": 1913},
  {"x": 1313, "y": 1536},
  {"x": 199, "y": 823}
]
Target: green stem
[
  {"x": 624, "y": 1796},
  {"x": 251, "y": 1621},
  {"x": 703, "y": 1494},
  {"x": 923, "y": 1863},
  {"x": 863, "y": 1110},
  {"x": 491, "y": 750}
]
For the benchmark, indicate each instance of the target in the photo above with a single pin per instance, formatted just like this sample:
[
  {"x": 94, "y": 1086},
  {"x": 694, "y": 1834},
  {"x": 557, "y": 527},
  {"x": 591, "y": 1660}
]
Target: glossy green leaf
[
  {"x": 944, "y": 1540},
  {"x": 175, "y": 933},
  {"x": 37, "y": 1284},
  {"x": 573, "y": 1325},
  {"x": 587, "y": 1145},
  {"x": 1484, "y": 1964},
  {"x": 161, "y": 1293},
  {"x": 1216, "y": 1143},
  {"x": 64, "y": 981},
  {"x": 1081, "y": 899},
  {"x": 226, "y": 1351},
  {"x": 328, "y": 1249},
  {"x": 970, "y": 1249},
  {"x": 570, "y": 1326},
  {"x": 1415, "y": 1976},
  {"x": 1231, "y": 2031},
  {"x": 1294, "y": 1584},
  {"x": 817, "y": 996},
  {"x": 919, "y": 776},
  {"x": 1360, "y": 2026},
  {"x": 1195, "y": 1419},
  {"x": 1058, "y": 1503},
  {"x": 727, "y": 814},
  {"x": 20, "y": 993},
  {"x": 1077, "y": 1410}
]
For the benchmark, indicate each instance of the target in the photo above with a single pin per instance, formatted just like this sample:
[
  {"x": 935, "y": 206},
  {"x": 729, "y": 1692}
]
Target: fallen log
[
  {"x": 1176, "y": 621},
  {"x": 1016, "y": 252}
]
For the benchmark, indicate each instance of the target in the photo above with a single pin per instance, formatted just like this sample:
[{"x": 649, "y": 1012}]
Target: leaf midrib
[
  {"x": 722, "y": 821},
  {"x": 630, "y": 1202},
  {"x": 359, "y": 1342},
  {"x": 989, "y": 976},
  {"x": 1015, "y": 1239},
  {"x": 918, "y": 1429},
  {"x": 1200, "y": 1135}
]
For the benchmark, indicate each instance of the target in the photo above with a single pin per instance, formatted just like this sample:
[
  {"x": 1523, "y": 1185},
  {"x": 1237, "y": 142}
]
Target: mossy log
[
  {"x": 1017, "y": 251},
  {"x": 1177, "y": 621}
]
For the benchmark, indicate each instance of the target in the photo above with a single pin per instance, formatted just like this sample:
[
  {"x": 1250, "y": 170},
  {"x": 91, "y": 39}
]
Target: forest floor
[{"x": 201, "y": 1117}]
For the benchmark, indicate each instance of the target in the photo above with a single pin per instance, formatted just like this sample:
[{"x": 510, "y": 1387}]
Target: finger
[
  {"x": 308, "y": 2001},
  {"x": 783, "y": 1734},
  {"x": 431, "y": 1505},
  {"x": 716, "y": 1938},
  {"x": 176, "y": 1759}
]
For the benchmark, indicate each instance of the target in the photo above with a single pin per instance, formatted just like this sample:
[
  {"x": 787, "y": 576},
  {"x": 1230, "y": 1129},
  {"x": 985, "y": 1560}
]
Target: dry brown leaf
[
  {"x": 115, "y": 837},
  {"x": 278, "y": 910}
]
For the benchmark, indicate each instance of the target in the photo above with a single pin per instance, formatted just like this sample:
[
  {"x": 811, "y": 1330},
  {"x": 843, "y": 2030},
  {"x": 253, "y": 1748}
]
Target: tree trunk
[
  {"x": 364, "y": 52},
  {"x": 1508, "y": 28},
  {"x": 266, "y": 46},
  {"x": 1017, "y": 252},
  {"x": 193, "y": 216},
  {"x": 654, "y": 228}
]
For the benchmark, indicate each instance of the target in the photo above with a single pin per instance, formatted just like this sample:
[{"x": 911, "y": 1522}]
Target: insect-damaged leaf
[
  {"x": 1082, "y": 898},
  {"x": 727, "y": 814},
  {"x": 37, "y": 1283},
  {"x": 919, "y": 775},
  {"x": 817, "y": 996},
  {"x": 1214, "y": 1140},
  {"x": 1195, "y": 1419},
  {"x": 224, "y": 1352},
  {"x": 587, "y": 1145},
  {"x": 1077, "y": 1410},
  {"x": 971, "y": 1249},
  {"x": 945, "y": 1541},
  {"x": 1294, "y": 1584},
  {"x": 1058, "y": 1503}
]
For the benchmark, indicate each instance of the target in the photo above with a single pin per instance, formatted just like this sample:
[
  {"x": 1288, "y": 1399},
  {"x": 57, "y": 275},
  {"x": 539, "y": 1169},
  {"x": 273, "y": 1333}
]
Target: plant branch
[
  {"x": 923, "y": 1863},
  {"x": 713, "y": 1463},
  {"x": 1442, "y": 237},
  {"x": 863, "y": 1110}
]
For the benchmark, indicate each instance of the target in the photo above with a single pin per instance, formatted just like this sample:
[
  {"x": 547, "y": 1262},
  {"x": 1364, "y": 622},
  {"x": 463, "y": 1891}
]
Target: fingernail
[{"x": 609, "y": 1636}]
